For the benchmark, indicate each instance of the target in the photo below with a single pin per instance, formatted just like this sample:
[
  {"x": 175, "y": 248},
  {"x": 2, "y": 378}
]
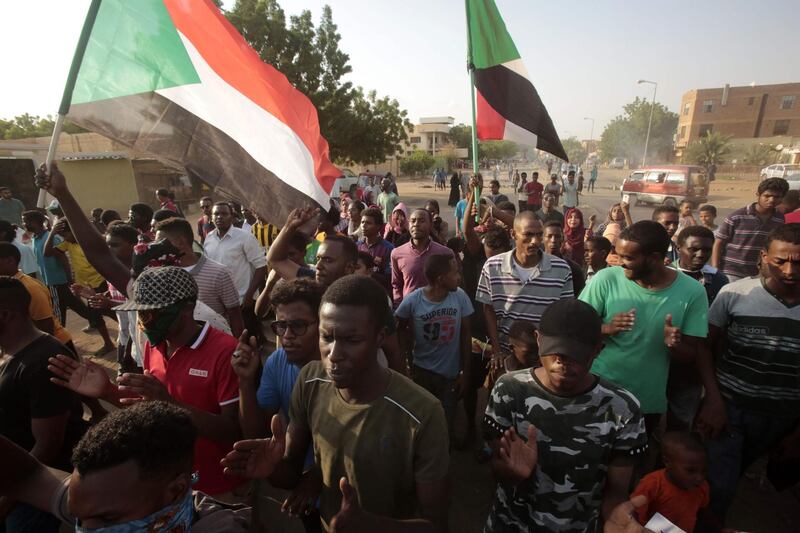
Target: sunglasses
[{"x": 298, "y": 327}]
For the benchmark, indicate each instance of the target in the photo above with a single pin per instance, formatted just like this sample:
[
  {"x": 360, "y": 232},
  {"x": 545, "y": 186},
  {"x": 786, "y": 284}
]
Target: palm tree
[
  {"x": 713, "y": 149},
  {"x": 760, "y": 155}
]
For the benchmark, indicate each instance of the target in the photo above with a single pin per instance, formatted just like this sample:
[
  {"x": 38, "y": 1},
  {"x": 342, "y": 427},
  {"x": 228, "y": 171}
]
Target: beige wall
[{"x": 106, "y": 183}]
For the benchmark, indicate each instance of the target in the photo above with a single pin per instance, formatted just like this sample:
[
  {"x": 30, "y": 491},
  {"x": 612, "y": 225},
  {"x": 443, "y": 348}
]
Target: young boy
[
  {"x": 707, "y": 213},
  {"x": 596, "y": 250},
  {"x": 563, "y": 440},
  {"x": 437, "y": 316},
  {"x": 679, "y": 490},
  {"x": 524, "y": 351}
]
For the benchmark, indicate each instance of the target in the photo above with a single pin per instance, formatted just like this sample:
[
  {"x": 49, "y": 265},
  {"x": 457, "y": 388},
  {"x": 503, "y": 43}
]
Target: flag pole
[
  {"x": 66, "y": 99},
  {"x": 471, "y": 67}
]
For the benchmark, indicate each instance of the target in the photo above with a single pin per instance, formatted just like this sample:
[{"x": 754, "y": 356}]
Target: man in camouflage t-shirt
[{"x": 581, "y": 433}]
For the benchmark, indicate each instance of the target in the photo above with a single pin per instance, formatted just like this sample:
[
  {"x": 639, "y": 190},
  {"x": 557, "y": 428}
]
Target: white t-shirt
[{"x": 570, "y": 198}]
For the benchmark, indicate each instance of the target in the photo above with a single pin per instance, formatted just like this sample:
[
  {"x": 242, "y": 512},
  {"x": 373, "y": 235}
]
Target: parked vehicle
[
  {"x": 617, "y": 162},
  {"x": 347, "y": 182},
  {"x": 794, "y": 180},
  {"x": 667, "y": 185},
  {"x": 778, "y": 171}
]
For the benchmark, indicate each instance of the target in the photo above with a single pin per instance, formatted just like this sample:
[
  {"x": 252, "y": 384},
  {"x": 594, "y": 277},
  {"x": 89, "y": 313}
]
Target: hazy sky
[{"x": 584, "y": 57}]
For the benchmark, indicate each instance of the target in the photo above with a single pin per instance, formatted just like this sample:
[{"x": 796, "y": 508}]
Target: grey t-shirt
[{"x": 437, "y": 329}]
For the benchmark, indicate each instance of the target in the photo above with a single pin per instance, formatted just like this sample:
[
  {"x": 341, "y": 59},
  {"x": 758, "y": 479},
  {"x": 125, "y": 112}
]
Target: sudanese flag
[
  {"x": 174, "y": 79},
  {"x": 509, "y": 108}
]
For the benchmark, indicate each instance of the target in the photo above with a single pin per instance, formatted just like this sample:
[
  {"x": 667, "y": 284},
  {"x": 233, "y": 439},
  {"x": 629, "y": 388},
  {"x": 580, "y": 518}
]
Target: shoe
[{"x": 89, "y": 329}]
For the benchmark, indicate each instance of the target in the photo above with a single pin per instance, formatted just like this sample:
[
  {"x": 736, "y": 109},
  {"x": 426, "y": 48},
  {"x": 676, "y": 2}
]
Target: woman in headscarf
[
  {"x": 397, "y": 228},
  {"x": 616, "y": 215},
  {"x": 455, "y": 190},
  {"x": 574, "y": 235}
]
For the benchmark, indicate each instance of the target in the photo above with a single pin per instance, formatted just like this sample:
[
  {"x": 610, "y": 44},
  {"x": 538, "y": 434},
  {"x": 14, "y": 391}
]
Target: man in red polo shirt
[{"x": 185, "y": 362}]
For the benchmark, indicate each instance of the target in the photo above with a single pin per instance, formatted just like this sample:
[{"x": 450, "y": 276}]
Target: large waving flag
[
  {"x": 174, "y": 79},
  {"x": 508, "y": 105}
]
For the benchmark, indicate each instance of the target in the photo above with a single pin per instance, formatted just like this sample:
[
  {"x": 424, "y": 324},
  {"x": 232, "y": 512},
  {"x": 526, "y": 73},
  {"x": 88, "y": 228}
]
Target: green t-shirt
[
  {"x": 387, "y": 203},
  {"x": 638, "y": 360},
  {"x": 383, "y": 448}
]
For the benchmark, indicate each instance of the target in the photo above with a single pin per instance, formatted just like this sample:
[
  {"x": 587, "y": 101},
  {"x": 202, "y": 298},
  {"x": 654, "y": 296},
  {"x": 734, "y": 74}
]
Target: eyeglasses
[{"x": 298, "y": 327}]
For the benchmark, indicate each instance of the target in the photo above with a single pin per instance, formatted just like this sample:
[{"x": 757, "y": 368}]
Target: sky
[{"x": 583, "y": 56}]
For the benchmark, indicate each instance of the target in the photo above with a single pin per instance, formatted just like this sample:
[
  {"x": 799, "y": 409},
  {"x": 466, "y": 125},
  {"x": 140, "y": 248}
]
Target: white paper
[
  {"x": 659, "y": 524},
  {"x": 626, "y": 198}
]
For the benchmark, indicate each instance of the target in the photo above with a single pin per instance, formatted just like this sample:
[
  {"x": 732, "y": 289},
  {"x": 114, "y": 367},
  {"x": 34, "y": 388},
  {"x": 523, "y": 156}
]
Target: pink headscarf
[{"x": 393, "y": 224}]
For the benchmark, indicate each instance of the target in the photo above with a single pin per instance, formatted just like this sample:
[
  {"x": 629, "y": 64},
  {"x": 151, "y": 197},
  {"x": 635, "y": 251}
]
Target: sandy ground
[{"x": 758, "y": 508}]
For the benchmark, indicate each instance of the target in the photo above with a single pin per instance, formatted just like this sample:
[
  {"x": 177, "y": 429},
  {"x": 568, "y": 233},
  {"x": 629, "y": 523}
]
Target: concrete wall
[{"x": 106, "y": 183}]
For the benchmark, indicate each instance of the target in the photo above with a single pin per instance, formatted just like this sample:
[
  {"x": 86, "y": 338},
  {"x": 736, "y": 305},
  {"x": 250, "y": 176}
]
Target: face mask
[
  {"x": 157, "y": 330},
  {"x": 176, "y": 518}
]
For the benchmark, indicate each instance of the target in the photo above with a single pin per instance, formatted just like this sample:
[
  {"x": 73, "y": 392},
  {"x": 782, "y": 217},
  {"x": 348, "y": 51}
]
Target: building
[
  {"x": 100, "y": 172},
  {"x": 770, "y": 113},
  {"x": 432, "y": 134}
]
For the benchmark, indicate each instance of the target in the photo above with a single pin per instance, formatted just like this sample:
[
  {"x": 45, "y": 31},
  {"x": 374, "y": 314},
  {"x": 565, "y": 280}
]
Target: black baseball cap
[{"x": 570, "y": 328}]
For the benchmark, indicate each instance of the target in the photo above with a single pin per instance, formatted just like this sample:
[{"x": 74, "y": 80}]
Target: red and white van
[{"x": 667, "y": 185}]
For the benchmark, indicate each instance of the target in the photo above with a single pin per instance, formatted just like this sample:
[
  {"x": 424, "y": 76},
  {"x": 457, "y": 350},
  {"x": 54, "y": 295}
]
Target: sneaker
[{"x": 89, "y": 329}]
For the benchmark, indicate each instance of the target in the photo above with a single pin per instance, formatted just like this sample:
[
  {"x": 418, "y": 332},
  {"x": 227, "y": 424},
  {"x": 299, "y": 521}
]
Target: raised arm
[
  {"x": 278, "y": 256},
  {"x": 95, "y": 248}
]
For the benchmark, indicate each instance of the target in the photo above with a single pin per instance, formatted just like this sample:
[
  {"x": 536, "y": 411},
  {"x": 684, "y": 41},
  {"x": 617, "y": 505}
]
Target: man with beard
[
  {"x": 520, "y": 284},
  {"x": 755, "y": 334},
  {"x": 380, "y": 441},
  {"x": 651, "y": 314}
]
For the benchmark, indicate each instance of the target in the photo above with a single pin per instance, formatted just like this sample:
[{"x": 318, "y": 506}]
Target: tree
[
  {"x": 761, "y": 155},
  {"x": 625, "y": 135},
  {"x": 713, "y": 148},
  {"x": 359, "y": 127},
  {"x": 418, "y": 161},
  {"x": 575, "y": 151},
  {"x": 461, "y": 135},
  {"x": 497, "y": 149},
  {"x": 25, "y": 125}
]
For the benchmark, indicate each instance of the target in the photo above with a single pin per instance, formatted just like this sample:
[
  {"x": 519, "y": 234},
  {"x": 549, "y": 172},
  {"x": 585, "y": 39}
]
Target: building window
[
  {"x": 708, "y": 106},
  {"x": 416, "y": 140},
  {"x": 787, "y": 102},
  {"x": 683, "y": 132},
  {"x": 686, "y": 107},
  {"x": 781, "y": 127},
  {"x": 751, "y": 100},
  {"x": 705, "y": 129}
]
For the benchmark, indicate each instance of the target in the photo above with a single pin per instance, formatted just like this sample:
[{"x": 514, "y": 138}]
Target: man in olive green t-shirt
[
  {"x": 651, "y": 314},
  {"x": 380, "y": 441}
]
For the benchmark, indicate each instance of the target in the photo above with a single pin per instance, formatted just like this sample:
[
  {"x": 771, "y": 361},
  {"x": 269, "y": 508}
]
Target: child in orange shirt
[{"x": 679, "y": 490}]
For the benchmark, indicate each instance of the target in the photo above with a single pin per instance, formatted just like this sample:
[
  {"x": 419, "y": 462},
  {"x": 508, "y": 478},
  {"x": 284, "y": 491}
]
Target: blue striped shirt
[
  {"x": 744, "y": 235},
  {"x": 516, "y": 299}
]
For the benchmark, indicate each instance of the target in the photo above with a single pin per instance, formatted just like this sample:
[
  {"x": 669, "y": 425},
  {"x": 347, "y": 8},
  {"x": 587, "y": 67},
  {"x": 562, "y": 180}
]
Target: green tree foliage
[
  {"x": 461, "y": 135},
  {"x": 625, "y": 135},
  {"x": 24, "y": 126},
  {"x": 360, "y": 127},
  {"x": 714, "y": 148},
  {"x": 497, "y": 149},
  {"x": 576, "y": 153},
  {"x": 761, "y": 155},
  {"x": 418, "y": 161}
]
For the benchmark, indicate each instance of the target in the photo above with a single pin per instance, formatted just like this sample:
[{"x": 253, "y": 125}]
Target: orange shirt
[
  {"x": 41, "y": 307},
  {"x": 677, "y": 505}
]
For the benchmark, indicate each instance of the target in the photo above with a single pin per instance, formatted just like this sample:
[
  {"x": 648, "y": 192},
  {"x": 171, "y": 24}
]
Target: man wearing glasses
[{"x": 297, "y": 325}]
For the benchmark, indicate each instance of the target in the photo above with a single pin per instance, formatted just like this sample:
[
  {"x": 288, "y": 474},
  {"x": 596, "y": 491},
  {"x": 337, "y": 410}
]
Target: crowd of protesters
[{"x": 634, "y": 369}]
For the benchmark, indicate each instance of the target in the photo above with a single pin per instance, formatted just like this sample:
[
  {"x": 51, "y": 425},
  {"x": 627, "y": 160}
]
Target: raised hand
[
  {"x": 257, "y": 458},
  {"x": 144, "y": 387},
  {"x": 245, "y": 358},
  {"x": 82, "y": 377},
  {"x": 52, "y": 181},
  {"x": 81, "y": 290},
  {"x": 620, "y": 322},
  {"x": 350, "y": 518},
  {"x": 622, "y": 519},
  {"x": 100, "y": 301},
  {"x": 518, "y": 458},
  {"x": 672, "y": 334},
  {"x": 300, "y": 216}
]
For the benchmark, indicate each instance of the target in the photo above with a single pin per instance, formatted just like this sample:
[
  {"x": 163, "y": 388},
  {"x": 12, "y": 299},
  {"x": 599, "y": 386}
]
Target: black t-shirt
[
  {"x": 26, "y": 392},
  {"x": 471, "y": 267},
  {"x": 578, "y": 277}
]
